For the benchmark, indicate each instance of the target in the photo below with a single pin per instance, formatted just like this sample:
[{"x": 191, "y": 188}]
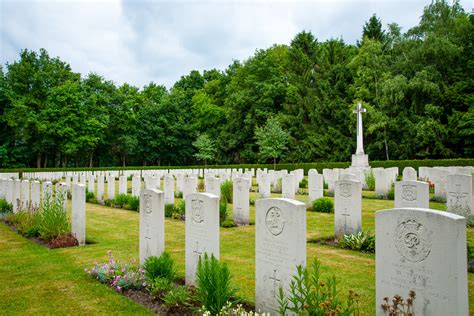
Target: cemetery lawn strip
[
  {"x": 41, "y": 280},
  {"x": 37, "y": 280}
]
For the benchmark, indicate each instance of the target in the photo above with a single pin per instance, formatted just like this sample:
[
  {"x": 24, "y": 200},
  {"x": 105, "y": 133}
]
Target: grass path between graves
[{"x": 36, "y": 280}]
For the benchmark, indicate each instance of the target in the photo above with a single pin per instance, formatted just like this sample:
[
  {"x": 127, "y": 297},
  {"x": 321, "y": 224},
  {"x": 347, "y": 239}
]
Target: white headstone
[
  {"x": 16, "y": 196},
  {"x": 347, "y": 207},
  {"x": 110, "y": 187},
  {"x": 100, "y": 188},
  {"x": 264, "y": 185},
  {"x": 190, "y": 185},
  {"x": 61, "y": 192},
  {"x": 78, "y": 226},
  {"x": 383, "y": 181},
  {"x": 425, "y": 251},
  {"x": 123, "y": 185},
  {"x": 91, "y": 183},
  {"x": 25, "y": 194},
  {"x": 35, "y": 194},
  {"x": 202, "y": 230},
  {"x": 168, "y": 184},
  {"x": 315, "y": 185},
  {"x": 152, "y": 224},
  {"x": 409, "y": 174},
  {"x": 241, "y": 201},
  {"x": 288, "y": 185},
  {"x": 459, "y": 190},
  {"x": 136, "y": 185},
  {"x": 46, "y": 191},
  {"x": 9, "y": 196},
  {"x": 280, "y": 247},
  {"x": 213, "y": 185},
  {"x": 412, "y": 194}
]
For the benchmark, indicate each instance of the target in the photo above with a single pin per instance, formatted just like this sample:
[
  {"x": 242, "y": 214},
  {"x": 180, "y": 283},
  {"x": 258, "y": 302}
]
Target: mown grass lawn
[{"x": 36, "y": 280}]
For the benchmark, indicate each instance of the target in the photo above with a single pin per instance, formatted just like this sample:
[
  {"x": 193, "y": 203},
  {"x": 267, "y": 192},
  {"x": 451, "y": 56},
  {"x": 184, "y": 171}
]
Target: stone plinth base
[{"x": 360, "y": 161}]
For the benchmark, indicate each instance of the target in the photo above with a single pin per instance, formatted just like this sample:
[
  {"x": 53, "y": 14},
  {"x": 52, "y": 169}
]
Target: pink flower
[
  {"x": 119, "y": 288},
  {"x": 123, "y": 270},
  {"x": 125, "y": 277},
  {"x": 114, "y": 283},
  {"x": 111, "y": 271},
  {"x": 118, "y": 277},
  {"x": 144, "y": 284}
]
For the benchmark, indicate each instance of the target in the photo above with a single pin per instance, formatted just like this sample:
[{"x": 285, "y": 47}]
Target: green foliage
[
  {"x": 206, "y": 148},
  {"x": 362, "y": 241},
  {"x": 169, "y": 210},
  {"x": 228, "y": 223},
  {"x": 370, "y": 181},
  {"x": 120, "y": 200},
  {"x": 222, "y": 210},
  {"x": 53, "y": 220},
  {"x": 90, "y": 197},
  {"x": 213, "y": 284},
  {"x": 271, "y": 139},
  {"x": 133, "y": 203},
  {"x": 227, "y": 190},
  {"x": 160, "y": 267},
  {"x": 5, "y": 207},
  {"x": 438, "y": 199},
  {"x": 178, "y": 296},
  {"x": 159, "y": 287},
  {"x": 310, "y": 294},
  {"x": 303, "y": 183},
  {"x": 391, "y": 192},
  {"x": 323, "y": 205}
]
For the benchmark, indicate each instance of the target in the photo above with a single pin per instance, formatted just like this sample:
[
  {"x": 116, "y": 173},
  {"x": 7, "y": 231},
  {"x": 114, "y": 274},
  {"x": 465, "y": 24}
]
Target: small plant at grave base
[
  {"x": 109, "y": 203},
  {"x": 391, "y": 192},
  {"x": 176, "y": 297},
  {"x": 325, "y": 185},
  {"x": 303, "y": 184},
  {"x": 361, "y": 241},
  {"x": 222, "y": 210},
  {"x": 374, "y": 196},
  {"x": 227, "y": 190},
  {"x": 309, "y": 294},
  {"x": 180, "y": 210},
  {"x": 169, "y": 210},
  {"x": 133, "y": 204},
  {"x": 120, "y": 200},
  {"x": 398, "y": 306},
  {"x": 228, "y": 223},
  {"x": 90, "y": 197},
  {"x": 438, "y": 199},
  {"x": 370, "y": 181},
  {"x": 119, "y": 276},
  {"x": 159, "y": 287},
  {"x": 214, "y": 289},
  {"x": 54, "y": 220},
  {"x": 201, "y": 185},
  {"x": 323, "y": 205},
  {"x": 160, "y": 267},
  {"x": 178, "y": 194},
  {"x": 328, "y": 193},
  {"x": 230, "y": 310},
  {"x": 5, "y": 207}
]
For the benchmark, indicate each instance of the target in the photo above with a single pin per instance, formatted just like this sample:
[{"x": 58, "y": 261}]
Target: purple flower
[
  {"x": 119, "y": 288},
  {"x": 117, "y": 277},
  {"x": 125, "y": 277}
]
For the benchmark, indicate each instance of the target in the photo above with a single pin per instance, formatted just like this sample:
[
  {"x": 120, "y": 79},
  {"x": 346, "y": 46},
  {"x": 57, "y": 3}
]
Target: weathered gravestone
[
  {"x": 168, "y": 185},
  {"x": 264, "y": 185},
  {"x": 78, "y": 225},
  {"x": 383, "y": 180},
  {"x": 202, "y": 230},
  {"x": 288, "y": 186},
  {"x": 213, "y": 185},
  {"x": 91, "y": 183},
  {"x": 123, "y": 185},
  {"x": 136, "y": 185},
  {"x": 190, "y": 185},
  {"x": 459, "y": 191},
  {"x": 412, "y": 194},
  {"x": 347, "y": 207},
  {"x": 152, "y": 223},
  {"x": 315, "y": 185},
  {"x": 409, "y": 174},
  {"x": 241, "y": 201},
  {"x": 280, "y": 248},
  {"x": 425, "y": 251}
]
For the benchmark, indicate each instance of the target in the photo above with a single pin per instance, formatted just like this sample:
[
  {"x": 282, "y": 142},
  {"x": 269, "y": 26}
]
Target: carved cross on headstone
[
  {"x": 346, "y": 215},
  {"x": 275, "y": 280},
  {"x": 458, "y": 195},
  {"x": 197, "y": 252},
  {"x": 360, "y": 139},
  {"x": 148, "y": 238}
]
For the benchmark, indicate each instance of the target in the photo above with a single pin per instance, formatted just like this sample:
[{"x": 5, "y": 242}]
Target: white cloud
[{"x": 142, "y": 41}]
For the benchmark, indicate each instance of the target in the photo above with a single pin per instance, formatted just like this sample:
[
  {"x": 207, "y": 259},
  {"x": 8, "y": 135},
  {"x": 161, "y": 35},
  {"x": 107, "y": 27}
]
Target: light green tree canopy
[
  {"x": 271, "y": 139},
  {"x": 206, "y": 148}
]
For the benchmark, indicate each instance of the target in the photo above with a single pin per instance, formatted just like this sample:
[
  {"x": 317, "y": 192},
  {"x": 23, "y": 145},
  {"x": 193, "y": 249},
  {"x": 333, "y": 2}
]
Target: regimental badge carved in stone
[
  {"x": 147, "y": 197},
  {"x": 197, "y": 211},
  {"x": 345, "y": 189},
  {"x": 412, "y": 240},
  {"x": 409, "y": 192},
  {"x": 274, "y": 221}
]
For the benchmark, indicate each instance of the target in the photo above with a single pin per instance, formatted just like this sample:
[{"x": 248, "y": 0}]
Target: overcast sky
[{"x": 142, "y": 41}]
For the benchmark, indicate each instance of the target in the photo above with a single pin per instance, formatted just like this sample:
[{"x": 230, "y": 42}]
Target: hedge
[{"x": 288, "y": 166}]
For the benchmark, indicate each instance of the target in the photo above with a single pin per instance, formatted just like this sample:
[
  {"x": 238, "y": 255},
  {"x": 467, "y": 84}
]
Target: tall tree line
[{"x": 417, "y": 86}]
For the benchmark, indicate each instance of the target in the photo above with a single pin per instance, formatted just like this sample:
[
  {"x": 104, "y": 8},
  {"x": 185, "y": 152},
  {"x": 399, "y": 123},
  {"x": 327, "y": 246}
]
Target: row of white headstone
[{"x": 417, "y": 249}]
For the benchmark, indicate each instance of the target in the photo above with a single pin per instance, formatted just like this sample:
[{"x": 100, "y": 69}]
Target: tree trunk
[
  {"x": 386, "y": 145},
  {"x": 123, "y": 160},
  {"x": 45, "y": 161},
  {"x": 91, "y": 160},
  {"x": 38, "y": 161},
  {"x": 274, "y": 163}
]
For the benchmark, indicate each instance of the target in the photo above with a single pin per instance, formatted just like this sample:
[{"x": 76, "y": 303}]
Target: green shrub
[
  {"x": 160, "y": 267},
  {"x": 323, "y": 205},
  {"x": 5, "y": 207},
  {"x": 177, "y": 296},
  {"x": 53, "y": 219},
  {"x": 391, "y": 192},
  {"x": 25, "y": 222},
  {"x": 325, "y": 185},
  {"x": 213, "y": 284},
  {"x": 222, "y": 210},
  {"x": 228, "y": 223},
  {"x": 120, "y": 200},
  {"x": 109, "y": 202},
  {"x": 374, "y": 196},
  {"x": 328, "y": 193},
  {"x": 90, "y": 196},
  {"x": 310, "y": 293},
  {"x": 370, "y": 181},
  {"x": 158, "y": 287},
  {"x": 169, "y": 210},
  {"x": 303, "y": 183},
  {"x": 362, "y": 241},
  {"x": 178, "y": 194},
  {"x": 227, "y": 190},
  {"x": 133, "y": 203},
  {"x": 438, "y": 199}
]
